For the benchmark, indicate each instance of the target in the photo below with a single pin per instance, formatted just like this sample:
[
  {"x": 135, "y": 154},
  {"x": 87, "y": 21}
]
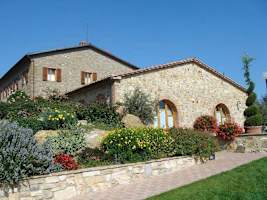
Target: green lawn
[{"x": 247, "y": 182}]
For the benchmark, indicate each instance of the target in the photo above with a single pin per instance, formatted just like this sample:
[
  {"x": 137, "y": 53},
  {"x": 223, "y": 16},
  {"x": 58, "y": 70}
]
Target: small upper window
[
  {"x": 88, "y": 77},
  {"x": 51, "y": 74}
]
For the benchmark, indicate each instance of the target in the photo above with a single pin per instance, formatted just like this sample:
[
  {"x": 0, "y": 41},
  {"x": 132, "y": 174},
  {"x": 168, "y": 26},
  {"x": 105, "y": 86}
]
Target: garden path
[{"x": 144, "y": 188}]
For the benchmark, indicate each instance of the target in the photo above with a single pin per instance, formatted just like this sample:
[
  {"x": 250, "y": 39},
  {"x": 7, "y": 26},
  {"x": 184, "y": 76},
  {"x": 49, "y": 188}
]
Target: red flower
[
  {"x": 66, "y": 161},
  {"x": 206, "y": 123},
  {"x": 229, "y": 131}
]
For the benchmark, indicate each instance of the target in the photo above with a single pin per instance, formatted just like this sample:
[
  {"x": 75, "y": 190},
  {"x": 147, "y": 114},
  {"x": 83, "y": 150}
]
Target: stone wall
[
  {"x": 93, "y": 92},
  {"x": 67, "y": 185},
  {"x": 248, "y": 143},
  {"x": 192, "y": 89},
  {"x": 71, "y": 64},
  {"x": 15, "y": 75}
]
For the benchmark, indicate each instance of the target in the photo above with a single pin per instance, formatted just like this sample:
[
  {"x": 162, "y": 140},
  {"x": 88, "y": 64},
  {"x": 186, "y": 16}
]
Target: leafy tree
[
  {"x": 252, "y": 112},
  {"x": 140, "y": 104}
]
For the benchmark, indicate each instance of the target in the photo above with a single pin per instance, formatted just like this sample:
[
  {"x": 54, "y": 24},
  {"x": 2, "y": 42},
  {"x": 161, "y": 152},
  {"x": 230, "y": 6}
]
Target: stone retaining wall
[
  {"x": 248, "y": 143},
  {"x": 68, "y": 184}
]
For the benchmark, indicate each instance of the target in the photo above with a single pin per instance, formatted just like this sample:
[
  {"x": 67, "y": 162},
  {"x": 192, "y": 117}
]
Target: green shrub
[
  {"x": 205, "y": 123},
  {"x": 67, "y": 142},
  {"x": 23, "y": 110},
  {"x": 255, "y": 120},
  {"x": 137, "y": 144},
  {"x": 3, "y": 110},
  {"x": 20, "y": 155},
  {"x": 193, "y": 143},
  {"x": 252, "y": 112},
  {"x": 89, "y": 157},
  {"x": 140, "y": 104},
  {"x": 102, "y": 113},
  {"x": 251, "y": 87},
  {"x": 56, "y": 119},
  {"x": 52, "y": 113},
  {"x": 32, "y": 122},
  {"x": 81, "y": 111},
  {"x": 251, "y": 99},
  {"x": 18, "y": 96},
  {"x": 45, "y": 104}
]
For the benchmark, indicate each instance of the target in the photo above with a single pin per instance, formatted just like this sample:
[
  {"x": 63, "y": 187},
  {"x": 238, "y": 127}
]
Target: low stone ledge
[
  {"x": 258, "y": 134},
  {"x": 247, "y": 143},
  {"x": 68, "y": 184}
]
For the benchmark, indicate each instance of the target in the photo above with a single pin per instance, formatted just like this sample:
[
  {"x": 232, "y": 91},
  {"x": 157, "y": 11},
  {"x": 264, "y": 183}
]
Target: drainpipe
[{"x": 33, "y": 79}]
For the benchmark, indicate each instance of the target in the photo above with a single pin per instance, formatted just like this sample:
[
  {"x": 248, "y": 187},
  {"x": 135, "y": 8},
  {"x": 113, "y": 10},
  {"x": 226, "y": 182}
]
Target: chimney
[{"x": 83, "y": 43}]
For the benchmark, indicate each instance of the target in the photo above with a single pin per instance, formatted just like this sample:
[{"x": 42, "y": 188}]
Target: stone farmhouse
[{"x": 185, "y": 89}]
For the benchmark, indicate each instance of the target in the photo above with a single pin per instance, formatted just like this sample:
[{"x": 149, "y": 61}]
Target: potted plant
[{"x": 253, "y": 122}]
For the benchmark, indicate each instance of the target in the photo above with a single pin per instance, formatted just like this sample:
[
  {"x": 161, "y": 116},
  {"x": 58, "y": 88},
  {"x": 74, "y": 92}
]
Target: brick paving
[{"x": 144, "y": 188}]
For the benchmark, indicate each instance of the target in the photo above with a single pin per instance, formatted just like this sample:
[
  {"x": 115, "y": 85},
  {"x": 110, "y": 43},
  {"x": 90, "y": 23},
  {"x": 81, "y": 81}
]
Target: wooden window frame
[
  {"x": 93, "y": 77},
  {"x": 58, "y": 74},
  {"x": 167, "y": 105},
  {"x": 224, "y": 110}
]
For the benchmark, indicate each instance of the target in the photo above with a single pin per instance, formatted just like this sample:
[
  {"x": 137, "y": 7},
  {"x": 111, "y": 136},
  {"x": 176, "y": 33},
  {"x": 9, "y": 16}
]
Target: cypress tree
[{"x": 252, "y": 112}]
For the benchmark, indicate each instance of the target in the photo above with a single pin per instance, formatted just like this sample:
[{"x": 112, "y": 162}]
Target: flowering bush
[
  {"x": 55, "y": 119},
  {"x": 66, "y": 161},
  {"x": 18, "y": 96},
  {"x": 129, "y": 144},
  {"x": 205, "y": 123},
  {"x": 228, "y": 131},
  {"x": 21, "y": 109},
  {"x": 192, "y": 142}
]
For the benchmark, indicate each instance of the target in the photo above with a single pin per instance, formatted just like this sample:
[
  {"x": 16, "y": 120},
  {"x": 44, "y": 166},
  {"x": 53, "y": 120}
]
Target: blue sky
[{"x": 143, "y": 32}]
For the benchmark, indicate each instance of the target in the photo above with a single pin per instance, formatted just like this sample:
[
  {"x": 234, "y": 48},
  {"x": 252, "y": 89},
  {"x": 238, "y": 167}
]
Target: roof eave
[{"x": 185, "y": 61}]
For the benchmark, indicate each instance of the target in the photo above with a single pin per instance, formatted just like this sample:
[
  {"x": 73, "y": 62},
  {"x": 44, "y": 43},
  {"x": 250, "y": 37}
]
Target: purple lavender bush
[{"x": 20, "y": 155}]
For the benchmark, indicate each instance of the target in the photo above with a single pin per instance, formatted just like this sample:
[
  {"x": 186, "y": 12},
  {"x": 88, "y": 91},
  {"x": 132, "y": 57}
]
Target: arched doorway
[
  {"x": 222, "y": 114},
  {"x": 165, "y": 115}
]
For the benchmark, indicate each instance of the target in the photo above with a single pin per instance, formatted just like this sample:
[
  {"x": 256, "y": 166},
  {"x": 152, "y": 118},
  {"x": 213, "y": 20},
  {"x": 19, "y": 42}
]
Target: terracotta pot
[{"x": 253, "y": 129}]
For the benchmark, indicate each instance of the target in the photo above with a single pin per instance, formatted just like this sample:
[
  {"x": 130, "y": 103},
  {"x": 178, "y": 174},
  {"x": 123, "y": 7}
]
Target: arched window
[
  {"x": 222, "y": 114},
  {"x": 165, "y": 116}
]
